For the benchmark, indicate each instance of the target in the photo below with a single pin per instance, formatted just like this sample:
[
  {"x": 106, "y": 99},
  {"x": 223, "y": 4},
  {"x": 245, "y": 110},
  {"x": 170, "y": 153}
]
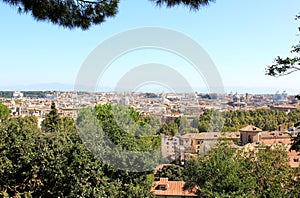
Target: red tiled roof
[
  {"x": 172, "y": 188},
  {"x": 294, "y": 158},
  {"x": 251, "y": 128}
]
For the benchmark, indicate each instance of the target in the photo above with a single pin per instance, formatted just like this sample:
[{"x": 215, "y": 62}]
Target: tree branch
[
  {"x": 89, "y": 2},
  {"x": 283, "y": 67}
]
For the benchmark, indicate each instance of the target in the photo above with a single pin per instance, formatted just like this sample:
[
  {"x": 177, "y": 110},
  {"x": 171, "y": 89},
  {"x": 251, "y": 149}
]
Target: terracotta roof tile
[
  {"x": 171, "y": 188},
  {"x": 294, "y": 158},
  {"x": 251, "y": 128}
]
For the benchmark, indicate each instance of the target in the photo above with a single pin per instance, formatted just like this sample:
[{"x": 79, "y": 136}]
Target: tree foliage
[
  {"x": 6, "y": 94},
  {"x": 4, "y": 113},
  {"x": 53, "y": 121},
  {"x": 170, "y": 128},
  {"x": 192, "y": 4},
  {"x": 288, "y": 65},
  {"x": 229, "y": 121},
  {"x": 35, "y": 163},
  {"x": 228, "y": 172},
  {"x": 84, "y": 13},
  {"x": 68, "y": 13},
  {"x": 172, "y": 172}
]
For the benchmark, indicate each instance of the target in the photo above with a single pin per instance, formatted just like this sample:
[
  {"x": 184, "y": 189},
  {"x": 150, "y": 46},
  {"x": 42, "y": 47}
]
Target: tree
[
  {"x": 270, "y": 173},
  {"x": 170, "y": 128},
  {"x": 228, "y": 172},
  {"x": 172, "y": 172},
  {"x": 113, "y": 135},
  {"x": 4, "y": 112},
  {"x": 39, "y": 164},
  {"x": 84, "y": 13},
  {"x": 52, "y": 122},
  {"x": 216, "y": 175},
  {"x": 285, "y": 66},
  {"x": 17, "y": 156},
  {"x": 154, "y": 122}
]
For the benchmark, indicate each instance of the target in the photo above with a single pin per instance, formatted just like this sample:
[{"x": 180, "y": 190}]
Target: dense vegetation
[
  {"x": 266, "y": 119},
  {"x": 57, "y": 161},
  {"x": 29, "y": 94},
  {"x": 230, "y": 121},
  {"x": 6, "y": 94},
  {"x": 36, "y": 94},
  {"x": 54, "y": 162},
  {"x": 173, "y": 172},
  {"x": 151, "y": 95},
  {"x": 228, "y": 172}
]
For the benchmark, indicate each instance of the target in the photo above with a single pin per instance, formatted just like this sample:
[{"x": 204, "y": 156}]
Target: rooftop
[
  {"x": 171, "y": 188},
  {"x": 250, "y": 128}
]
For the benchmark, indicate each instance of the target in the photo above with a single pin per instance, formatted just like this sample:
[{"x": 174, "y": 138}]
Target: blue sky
[{"x": 241, "y": 37}]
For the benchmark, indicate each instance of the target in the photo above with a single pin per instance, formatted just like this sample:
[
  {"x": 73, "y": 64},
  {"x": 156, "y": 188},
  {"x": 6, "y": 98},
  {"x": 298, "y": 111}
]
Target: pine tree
[
  {"x": 84, "y": 13},
  {"x": 52, "y": 122}
]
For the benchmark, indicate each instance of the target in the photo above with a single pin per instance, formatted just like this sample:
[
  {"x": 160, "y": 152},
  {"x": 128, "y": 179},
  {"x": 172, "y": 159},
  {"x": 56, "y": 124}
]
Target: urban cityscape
[
  {"x": 153, "y": 98},
  {"x": 189, "y": 140}
]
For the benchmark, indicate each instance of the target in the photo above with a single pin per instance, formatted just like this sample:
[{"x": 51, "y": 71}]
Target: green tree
[
  {"x": 228, "y": 172},
  {"x": 170, "y": 128},
  {"x": 211, "y": 121},
  {"x": 294, "y": 116},
  {"x": 265, "y": 119},
  {"x": 39, "y": 164},
  {"x": 18, "y": 156},
  {"x": 270, "y": 173},
  {"x": 154, "y": 122},
  {"x": 35, "y": 164},
  {"x": 52, "y": 122},
  {"x": 84, "y": 13},
  {"x": 172, "y": 172},
  {"x": 4, "y": 113},
  {"x": 107, "y": 138},
  {"x": 183, "y": 125},
  {"x": 217, "y": 175},
  {"x": 288, "y": 65}
]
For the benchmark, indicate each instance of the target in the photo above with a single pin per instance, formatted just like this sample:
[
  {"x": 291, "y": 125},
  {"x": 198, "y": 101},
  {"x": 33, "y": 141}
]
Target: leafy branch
[
  {"x": 84, "y": 13},
  {"x": 285, "y": 66}
]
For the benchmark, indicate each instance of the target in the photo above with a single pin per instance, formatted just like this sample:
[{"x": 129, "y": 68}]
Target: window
[
  {"x": 161, "y": 187},
  {"x": 249, "y": 139}
]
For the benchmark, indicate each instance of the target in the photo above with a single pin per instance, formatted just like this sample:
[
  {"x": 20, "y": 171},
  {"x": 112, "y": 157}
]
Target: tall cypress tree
[{"x": 52, "y": 122}]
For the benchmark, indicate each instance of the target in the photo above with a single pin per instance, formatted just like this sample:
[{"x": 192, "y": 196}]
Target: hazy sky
[{"x": 241, "y": 37}]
